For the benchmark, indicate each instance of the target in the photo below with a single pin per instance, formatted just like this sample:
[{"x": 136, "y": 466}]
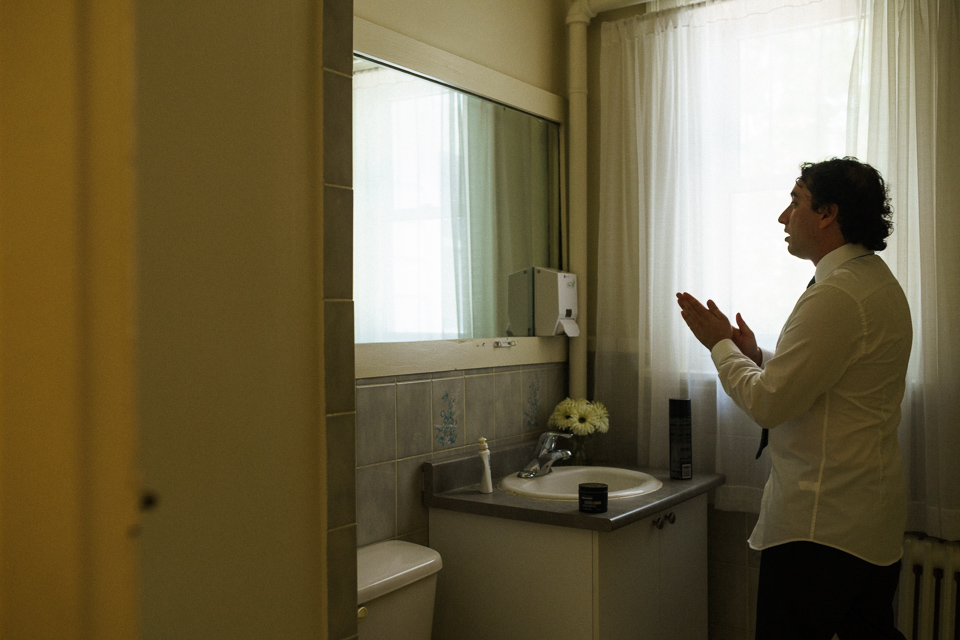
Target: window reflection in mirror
[{"x": 452, "y": 194}]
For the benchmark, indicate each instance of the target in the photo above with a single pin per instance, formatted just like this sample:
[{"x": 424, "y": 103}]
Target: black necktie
[{"x": 765, "y": 434}]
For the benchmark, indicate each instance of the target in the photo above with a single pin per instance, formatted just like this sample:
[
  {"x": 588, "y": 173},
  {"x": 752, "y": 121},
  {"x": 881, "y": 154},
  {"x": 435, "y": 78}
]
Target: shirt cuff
[
  {"x": 765, "y": 357},
  {"x": 723, "y": 349}
]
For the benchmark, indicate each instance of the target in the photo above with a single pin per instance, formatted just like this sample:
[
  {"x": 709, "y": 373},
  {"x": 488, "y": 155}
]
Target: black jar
[{"x": 593, "y": 497}]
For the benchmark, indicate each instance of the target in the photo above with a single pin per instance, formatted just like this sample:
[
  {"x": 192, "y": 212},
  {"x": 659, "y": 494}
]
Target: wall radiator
[{"x": 929, "y": 602}]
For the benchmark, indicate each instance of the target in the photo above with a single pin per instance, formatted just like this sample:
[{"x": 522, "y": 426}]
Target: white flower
[
  {"x": 564, "y": 415},
  {"x": 580, "y": 417},
  {"x": 604, "y": 423}
]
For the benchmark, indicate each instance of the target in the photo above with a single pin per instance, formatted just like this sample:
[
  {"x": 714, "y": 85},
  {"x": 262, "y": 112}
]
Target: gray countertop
[{"x": 439, "y": 494}]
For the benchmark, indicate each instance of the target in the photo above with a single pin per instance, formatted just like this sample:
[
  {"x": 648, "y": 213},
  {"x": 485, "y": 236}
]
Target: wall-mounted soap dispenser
[
  {"x": 555, "y": 303},
  {"x": 542, "y": 302}
]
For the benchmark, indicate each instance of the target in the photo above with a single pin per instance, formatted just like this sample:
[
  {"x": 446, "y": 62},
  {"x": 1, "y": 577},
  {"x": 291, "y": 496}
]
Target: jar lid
[{"x": 593, "y": 487}]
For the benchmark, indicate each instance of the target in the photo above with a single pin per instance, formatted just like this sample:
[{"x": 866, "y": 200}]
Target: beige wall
[{"x": 525, "y": 40}]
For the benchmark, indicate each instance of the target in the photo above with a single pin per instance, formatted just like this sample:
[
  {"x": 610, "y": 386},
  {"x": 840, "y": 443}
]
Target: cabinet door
[
  {"x": 510, "y": 579},
  {"x": 629, "y": 560},
  {"x": 683, "y": 570}
]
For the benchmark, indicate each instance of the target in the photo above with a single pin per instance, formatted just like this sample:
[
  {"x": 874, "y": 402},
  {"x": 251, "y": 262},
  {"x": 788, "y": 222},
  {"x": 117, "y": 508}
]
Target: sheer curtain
[
  {"x": 706, "y": 113},
  {"x": 903, "y": 118}
]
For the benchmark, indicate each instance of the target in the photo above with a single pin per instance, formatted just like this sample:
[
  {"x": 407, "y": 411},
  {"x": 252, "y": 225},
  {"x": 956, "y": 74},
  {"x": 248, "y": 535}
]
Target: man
[{"x": 833, "y": 511}]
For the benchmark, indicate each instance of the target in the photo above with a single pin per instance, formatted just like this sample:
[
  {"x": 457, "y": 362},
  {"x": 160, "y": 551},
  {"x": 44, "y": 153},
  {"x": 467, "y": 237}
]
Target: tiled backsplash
[{"x": 404, "y": 421}]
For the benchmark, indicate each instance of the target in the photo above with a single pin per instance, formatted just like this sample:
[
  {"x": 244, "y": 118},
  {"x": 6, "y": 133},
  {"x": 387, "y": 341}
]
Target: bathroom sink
[{"x": 563, "y": 483}]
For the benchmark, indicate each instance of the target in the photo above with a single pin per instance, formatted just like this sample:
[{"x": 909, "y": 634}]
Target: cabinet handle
[
  {"x": 658, "y": 523},
  {"x": 671, "y": 517},
  {"x": 362, "y": 613}
]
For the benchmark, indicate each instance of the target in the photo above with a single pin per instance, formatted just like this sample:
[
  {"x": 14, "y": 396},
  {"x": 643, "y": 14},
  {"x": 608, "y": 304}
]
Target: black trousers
[{"x": 809, "y": 591}]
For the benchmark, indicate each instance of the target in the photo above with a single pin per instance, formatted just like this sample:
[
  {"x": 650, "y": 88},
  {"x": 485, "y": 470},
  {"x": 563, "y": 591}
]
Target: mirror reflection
[{"x": 452, "y": 194}]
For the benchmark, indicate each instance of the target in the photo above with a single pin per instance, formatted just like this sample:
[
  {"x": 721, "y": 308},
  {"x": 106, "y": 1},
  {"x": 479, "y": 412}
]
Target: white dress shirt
[{"x": 830, "y": 396}]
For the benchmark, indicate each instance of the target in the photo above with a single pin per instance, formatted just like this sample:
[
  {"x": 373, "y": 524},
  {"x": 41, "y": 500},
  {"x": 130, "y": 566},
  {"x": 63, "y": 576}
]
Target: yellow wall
[{"x": 68, "y": 490}]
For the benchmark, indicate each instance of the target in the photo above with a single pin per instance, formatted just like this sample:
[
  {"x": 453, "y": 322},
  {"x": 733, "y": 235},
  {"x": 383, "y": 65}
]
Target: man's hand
[
  {"x": 747, "y": 342},
  {"x": 708, "y": 324}
]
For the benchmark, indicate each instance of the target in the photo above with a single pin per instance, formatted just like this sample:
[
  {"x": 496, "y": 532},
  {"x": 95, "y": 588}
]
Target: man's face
[{"x": 801, "y": 223}]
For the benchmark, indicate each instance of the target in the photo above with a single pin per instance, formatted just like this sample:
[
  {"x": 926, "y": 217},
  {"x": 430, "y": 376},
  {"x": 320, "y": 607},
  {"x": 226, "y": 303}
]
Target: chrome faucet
[{"x": 546, "y": 455}]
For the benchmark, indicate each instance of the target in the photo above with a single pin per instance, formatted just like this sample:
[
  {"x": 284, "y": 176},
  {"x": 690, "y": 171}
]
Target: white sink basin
[{"x": 563, "y": 483}]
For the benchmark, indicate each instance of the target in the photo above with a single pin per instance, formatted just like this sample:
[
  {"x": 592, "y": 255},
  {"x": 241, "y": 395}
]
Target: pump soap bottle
[{"x": 486, "y": 484}]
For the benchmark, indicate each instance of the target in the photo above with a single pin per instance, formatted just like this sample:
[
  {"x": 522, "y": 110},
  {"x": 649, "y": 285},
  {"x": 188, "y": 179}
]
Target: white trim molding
[
  {"x": 406, "y": 358},
  {"x": 398, "y": 50}
]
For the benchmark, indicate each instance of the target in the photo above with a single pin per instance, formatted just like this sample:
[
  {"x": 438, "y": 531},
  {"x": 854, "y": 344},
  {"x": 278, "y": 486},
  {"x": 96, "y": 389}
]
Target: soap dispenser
[{"x": 486, "y": 484}]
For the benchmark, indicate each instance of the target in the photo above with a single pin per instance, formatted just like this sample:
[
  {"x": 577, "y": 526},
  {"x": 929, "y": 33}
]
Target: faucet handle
[{"x": 548, "y": 440}]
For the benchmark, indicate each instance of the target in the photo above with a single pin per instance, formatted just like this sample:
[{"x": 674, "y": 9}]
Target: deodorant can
[{"x": 681, "y": 440}]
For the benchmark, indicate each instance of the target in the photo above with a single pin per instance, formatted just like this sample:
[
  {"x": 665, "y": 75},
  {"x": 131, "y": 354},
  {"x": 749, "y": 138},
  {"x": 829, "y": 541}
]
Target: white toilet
[{"x": 396, "y": 583}]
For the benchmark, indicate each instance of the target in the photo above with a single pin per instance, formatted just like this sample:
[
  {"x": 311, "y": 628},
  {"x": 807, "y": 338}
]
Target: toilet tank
[{"x": 396, "y": 582}]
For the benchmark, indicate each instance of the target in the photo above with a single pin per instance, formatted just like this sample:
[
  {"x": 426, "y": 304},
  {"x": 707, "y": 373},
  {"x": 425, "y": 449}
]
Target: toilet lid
[{"x": 387, "y": 566}]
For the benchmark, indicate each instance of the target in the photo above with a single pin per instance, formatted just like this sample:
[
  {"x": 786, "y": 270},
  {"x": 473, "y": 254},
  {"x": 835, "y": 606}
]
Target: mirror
[{"x": 452, "y": 194}]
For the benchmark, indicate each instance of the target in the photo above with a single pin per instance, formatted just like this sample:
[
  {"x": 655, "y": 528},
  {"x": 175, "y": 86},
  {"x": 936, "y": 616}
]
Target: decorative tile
[
  {"x": 448, "y": 427},
  {"x": 533, "y": 407}
]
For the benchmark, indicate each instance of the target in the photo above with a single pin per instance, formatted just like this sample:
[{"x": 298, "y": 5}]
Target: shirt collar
[{"x": 838, "y": 256}]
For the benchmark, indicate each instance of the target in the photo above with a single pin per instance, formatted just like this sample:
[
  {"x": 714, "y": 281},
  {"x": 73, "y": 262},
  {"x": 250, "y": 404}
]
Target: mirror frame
[{"x": 404, "y": 358}]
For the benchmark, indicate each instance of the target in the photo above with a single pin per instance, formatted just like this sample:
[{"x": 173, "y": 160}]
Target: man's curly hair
[{"x": 861, "y": 196}]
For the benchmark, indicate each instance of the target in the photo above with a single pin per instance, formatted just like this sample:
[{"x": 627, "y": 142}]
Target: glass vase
[{"x": 580, "y": 451}]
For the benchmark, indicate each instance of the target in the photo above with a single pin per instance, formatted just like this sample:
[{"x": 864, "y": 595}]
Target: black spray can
[{"x": 681, "y": 440}]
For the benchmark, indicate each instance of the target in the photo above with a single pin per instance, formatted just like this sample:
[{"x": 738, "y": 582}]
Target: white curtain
[
  {"x": 706, "y": 113},
  {"x": 904, "y": 119}
]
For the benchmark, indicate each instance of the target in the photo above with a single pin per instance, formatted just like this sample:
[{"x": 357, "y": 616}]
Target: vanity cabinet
[{"x": 513, "y": 579}]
